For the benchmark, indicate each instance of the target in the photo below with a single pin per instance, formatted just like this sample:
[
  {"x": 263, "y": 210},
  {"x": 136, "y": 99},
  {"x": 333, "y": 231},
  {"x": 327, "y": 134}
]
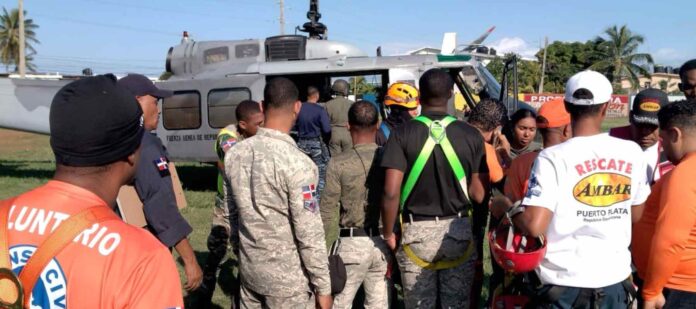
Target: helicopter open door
[{"x": 192, "y": 117}]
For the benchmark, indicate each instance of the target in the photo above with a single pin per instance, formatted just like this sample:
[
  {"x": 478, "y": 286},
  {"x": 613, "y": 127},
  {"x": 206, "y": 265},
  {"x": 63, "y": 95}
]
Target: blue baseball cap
[{"x": 139, "y": 85}]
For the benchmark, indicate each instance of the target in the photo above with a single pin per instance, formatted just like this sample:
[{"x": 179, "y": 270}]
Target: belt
[
  {"x": 359, "y": 232},
  {"x": 415, "y": 218}
]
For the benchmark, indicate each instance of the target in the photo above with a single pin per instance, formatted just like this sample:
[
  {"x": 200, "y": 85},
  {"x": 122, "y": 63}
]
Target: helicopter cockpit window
[
  {"x": 182, "y": 111},
  {"x": 473, "y": 84},
  {"x": 217, "y": 54},
  {"x": 222, "y": 104},
  {"x": 246, "y": 50}
]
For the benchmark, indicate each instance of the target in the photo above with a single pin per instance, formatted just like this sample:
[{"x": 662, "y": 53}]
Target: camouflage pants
[
  {"x": 253, "y": 300},
  {"x": 366, "y": 260},
  {"x": 437, "y": 241},
  {"x": 317, "y": 151},
  {"x": 340, "y": 140},
  {"x": 218, "y": 244}
]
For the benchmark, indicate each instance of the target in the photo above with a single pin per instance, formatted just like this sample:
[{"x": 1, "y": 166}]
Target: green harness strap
[{"x": 438, "y": 136}]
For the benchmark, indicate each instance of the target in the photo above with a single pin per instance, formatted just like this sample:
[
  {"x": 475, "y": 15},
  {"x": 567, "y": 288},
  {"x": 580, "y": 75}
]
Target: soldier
[
  {"x": 354, "y": 181},
  {"x": 279, "y": 233},
  {"x": 154, "y": 183},
  {"x": 437, "y": 251},
  {"x": 338, "y": 113},
  {"x": 313, "y": 133},
  {"x": 249, "y": 116}
]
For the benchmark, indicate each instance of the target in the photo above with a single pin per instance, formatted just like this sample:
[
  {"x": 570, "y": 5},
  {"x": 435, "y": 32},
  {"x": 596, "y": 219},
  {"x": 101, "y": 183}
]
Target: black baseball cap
[
  {"x": 646, "y": 104},
  {"x": 94, "y": 122},
  {"x": 140, "y": 85}
]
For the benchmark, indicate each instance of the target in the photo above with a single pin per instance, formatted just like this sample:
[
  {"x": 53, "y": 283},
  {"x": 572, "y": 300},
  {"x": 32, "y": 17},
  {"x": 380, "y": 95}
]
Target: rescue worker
[
  {"x": 279, "y": 233},
  {"x": 643, "y": 129},
  {"x": 687, "y": 74},
  {"x": 664, "y": 240},
  {"x": 153, "y": 181},
  {"x": 402, "y": 104},
  {"x": 313, "y": 134},
  {"x": 249, "y": 119},
  {"x": 353, "y": 189},
  {"x": 583, "y": 195},
  {"x": 338, "y": 114},
  {"x": 437, "y": 252},
  {"x": 96, "y": 128}
]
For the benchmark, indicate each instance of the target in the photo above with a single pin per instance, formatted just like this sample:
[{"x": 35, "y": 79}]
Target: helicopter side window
[
  {"x": 222, "y": 104},
  {"x": 217, "y": 54},
  {"x": 246, "y": 50},
  {"x": 182, "y": 111}
]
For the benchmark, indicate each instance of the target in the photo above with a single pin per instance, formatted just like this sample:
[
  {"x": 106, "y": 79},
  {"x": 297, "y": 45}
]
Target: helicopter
[{"x": 210, "y": 78}]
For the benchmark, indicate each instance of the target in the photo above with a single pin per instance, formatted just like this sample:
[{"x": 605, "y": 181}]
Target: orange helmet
[
  {"x": 402, "y": 94},
  {"x": 515, "y": 252}
]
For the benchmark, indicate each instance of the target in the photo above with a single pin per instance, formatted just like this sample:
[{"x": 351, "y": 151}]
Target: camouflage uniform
[
  {"x": 218, "y": 239},
  {"x": 446, "y": 239},
  {"x": 355, "y": 183},
  {"x": 338, "y": 114},
  {"x": 279, "y": 230}
]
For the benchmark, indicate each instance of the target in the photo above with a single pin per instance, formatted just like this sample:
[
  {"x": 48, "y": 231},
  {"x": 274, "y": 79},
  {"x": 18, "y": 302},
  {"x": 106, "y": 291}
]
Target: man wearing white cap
[{"x": 583, "y": 195}]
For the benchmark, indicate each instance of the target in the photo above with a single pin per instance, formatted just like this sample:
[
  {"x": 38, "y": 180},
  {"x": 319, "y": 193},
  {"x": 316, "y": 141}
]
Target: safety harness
[
  {"x": 15, "y": 290},
  {"x": 437, "y": 136}
]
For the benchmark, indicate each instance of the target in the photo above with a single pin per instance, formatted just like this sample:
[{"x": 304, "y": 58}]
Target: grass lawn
[{"x": 26, "y": 161}]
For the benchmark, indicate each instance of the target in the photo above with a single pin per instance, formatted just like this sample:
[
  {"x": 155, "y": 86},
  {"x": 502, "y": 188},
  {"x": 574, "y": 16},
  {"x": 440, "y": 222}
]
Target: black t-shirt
[{"x": 437, "y": 192}]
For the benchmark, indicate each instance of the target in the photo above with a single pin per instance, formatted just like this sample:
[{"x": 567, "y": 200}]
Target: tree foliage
[
  {"x": 614, "y": 56},
  {"x": 9, "y": 39},
  {"x": 619, "y": 58}
]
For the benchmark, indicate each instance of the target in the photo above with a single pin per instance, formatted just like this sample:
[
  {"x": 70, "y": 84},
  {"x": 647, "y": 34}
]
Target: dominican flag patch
[
  {"x": 162, "y": 166},
  {"x": 227, "y": 144},
  {"x": 309, "y": 195}
]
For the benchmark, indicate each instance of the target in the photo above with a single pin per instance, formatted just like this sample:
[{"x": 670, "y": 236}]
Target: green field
[{"x": 26, "y": 161}]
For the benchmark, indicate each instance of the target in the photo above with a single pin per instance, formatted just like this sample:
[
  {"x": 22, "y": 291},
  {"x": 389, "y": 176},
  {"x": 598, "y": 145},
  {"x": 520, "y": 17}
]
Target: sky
[{"x": 124, "y": 36}]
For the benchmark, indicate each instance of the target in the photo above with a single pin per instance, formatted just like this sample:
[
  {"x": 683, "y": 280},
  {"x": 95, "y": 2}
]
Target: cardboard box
[{"x": 132, "y": 209}]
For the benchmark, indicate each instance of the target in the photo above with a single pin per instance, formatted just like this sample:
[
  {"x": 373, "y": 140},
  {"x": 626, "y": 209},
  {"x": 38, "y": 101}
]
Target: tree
[
  {"x": 528, "y": 72},
  {"x": 9, "y": 39},
  {"x": 360, "y": 86},
  {"x": 619, "y": 58}
]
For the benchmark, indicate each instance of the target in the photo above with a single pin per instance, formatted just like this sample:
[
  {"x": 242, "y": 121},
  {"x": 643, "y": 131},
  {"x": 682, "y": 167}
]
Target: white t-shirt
[
  {"x": 590, "y": 184},
  {"x": 652, "y": 154}
]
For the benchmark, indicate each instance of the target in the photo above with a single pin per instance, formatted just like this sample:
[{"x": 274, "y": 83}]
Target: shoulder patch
[
  {"x": 226, "y": 144},
  {"x": 162, "y": 165},
  {"x": 309, "y": 195}
]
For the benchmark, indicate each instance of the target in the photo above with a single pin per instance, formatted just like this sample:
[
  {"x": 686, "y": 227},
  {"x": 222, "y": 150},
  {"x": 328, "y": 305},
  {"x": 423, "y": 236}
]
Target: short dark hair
[
  {"x": 686, "y": 67},
  {"x": 311, "y": 90},
  {"x": 680, "y": 114},
  {"x": 362, "y": 115},
  {"x": 279, "y": 93},
  {"x": 488, "y": 114},
  {"x": 245, "y": 109},
  {"x": 435, "y": 86}
]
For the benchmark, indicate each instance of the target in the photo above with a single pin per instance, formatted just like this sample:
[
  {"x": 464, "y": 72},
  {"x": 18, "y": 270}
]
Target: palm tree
[
  {"x": 620, "y": 59},
  {"x": 9, "y": 39}
]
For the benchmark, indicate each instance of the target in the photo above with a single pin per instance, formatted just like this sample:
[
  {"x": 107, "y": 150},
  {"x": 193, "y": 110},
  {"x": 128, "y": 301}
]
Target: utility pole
[
  {"x": 22, "y": 61},
  {"x": 282, "y": 16},
  {"x": 543, "y": 65}
]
